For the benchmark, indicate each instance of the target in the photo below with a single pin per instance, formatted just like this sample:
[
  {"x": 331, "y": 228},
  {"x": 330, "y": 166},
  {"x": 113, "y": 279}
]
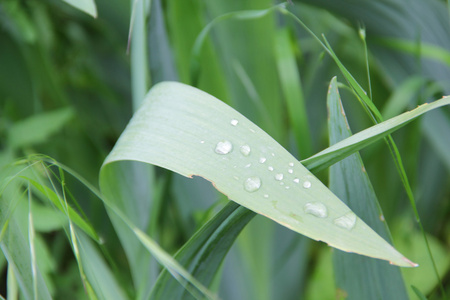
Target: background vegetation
[{"x": 68, "y": 88}]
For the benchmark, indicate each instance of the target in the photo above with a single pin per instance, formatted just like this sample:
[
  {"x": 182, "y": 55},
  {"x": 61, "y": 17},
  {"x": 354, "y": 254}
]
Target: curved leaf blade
[{"x": 192, "y": 133}]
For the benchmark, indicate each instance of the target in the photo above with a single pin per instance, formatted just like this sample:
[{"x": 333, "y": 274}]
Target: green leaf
[
  {"x": 364, "y": 138},
  {"x": 87, "y": 6},
  {"x": 38, "y": 128},
  {"x": 358, "y": 276},
  {"x": 192, "y": 133}
]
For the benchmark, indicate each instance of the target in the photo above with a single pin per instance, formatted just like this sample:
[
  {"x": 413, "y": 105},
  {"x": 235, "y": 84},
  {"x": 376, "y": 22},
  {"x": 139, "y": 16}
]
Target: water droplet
[
  {"x": 262, "y": 160},
  {"x": 266, "y": 196},
  {"x": 202, "y": 142},
  {"x": 307, "y": 184},
  {"x": 252, "y": 130},
  {"x": 245, "y": 150},
  {"x": 281, "y": 183},
  {"x": 248, "y": 165},
  {"x": 291, "y": 164},
  {"x": 317, "y": 209},
  {"x": 296, "y": 180},
  {"x": 279, "y": 176},
  {"x": 224, "y": 147},
  {"x": 382, "y": 218},
  {"x": 270, "y": 168},
  {"x": 252, "y": 184},
  {"x": 235, "y": 177},
  {"x": 273, "y": 154},
  {"x": 234, "y": 122},
  {"x": 290, "y": 171},
  {"x": 347, "y": 221},
  {"x": 287, "y": 187}
]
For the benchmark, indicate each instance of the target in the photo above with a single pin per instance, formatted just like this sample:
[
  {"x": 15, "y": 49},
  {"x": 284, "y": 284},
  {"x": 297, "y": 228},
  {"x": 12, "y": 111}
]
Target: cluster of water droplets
[{"x": 254, "y": 183}]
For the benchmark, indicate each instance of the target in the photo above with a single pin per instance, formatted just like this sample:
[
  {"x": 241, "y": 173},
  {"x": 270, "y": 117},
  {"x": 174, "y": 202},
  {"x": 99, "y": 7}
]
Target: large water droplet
[
  {"x": 279, "y": 176},
  {"x": 307, "y": 184},
  {"x": 224, "y": 147},
  {"x": 245, "y": 150},
  {"x": 234, "y": 122},
  {"x": 347, "y": 221},
  {"x": 317, "y": 209},
  {"x": 252, "y": 184}
]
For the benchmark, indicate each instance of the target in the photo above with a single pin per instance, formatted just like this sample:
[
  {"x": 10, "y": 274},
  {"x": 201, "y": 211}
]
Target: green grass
[{"x": 94, "y": 205}]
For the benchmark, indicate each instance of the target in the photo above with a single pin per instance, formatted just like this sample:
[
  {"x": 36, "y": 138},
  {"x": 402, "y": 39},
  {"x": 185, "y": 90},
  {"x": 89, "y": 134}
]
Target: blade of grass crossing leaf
[
  {"x": 357, "y": 276},
  {"x": 364, "y": 138},
  {"x": 204, "y": 252},
  {"x": 173, "y": 130}
]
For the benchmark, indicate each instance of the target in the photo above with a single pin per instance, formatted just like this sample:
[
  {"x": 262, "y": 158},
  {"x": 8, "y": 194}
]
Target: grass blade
[
  {"x": 361, "y": 139},
  {"x": 359, "y": 277}
]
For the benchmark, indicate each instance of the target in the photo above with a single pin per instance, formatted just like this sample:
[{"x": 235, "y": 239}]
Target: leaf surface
[{"x": 192, "y": 133}]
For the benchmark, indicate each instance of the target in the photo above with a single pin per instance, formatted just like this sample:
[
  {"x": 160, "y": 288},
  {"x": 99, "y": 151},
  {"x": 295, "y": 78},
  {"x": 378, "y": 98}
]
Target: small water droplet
[
  {"x": 245, "y": 150},
  {"x": 281, "y": 183},
  {"x": 291, "y": 164},
  {"x": 382, "y": 218},
  {"x": 262, "y": 160},
  {"x": 347, "y": 221},
  {"x": 290, "y": 171},
  {"x": 287, "y": 187},
  {"x": 270, "y": 168},
  {"x": 266, "y": 196},
  {"x": 296, "y": 180},
  {"x": 235, "y": 177},
  {"x": 248, "y": 165},
  {"x": 224, "y": 147},
  {"x": 202, "y": 142},
  {"x": 252, "y": 130},
  {"x": 273, "y": 154},
  {"x": 279, "y": 176},
  {"x": 234, "y": 122},
  {"x": 307, "y": 184},
  {"x": 252, "y": 184},
  {"x": 317, "y": 209}
]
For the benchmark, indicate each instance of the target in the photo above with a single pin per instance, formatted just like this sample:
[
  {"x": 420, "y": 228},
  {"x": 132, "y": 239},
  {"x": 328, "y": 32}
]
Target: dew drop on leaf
[
  {"x": 307, "y": 184},
  {"x": 223, "y": 147},
  {"x": 262, "y": 160},
  {"x": 252, "y": 184},
  {"x": 234, "y": 122},
  {"x": 347, "y": 221},
  {"x": 296, "y": 180},
  {"x": 279, "y": 176},
  {"x": 317, "y": 209},
  {"x": 245, "y": 150}
]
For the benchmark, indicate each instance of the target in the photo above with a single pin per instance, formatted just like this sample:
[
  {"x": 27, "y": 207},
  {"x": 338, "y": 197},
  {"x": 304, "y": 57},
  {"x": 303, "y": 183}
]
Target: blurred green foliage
[{"x": 66, "y": 90}]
